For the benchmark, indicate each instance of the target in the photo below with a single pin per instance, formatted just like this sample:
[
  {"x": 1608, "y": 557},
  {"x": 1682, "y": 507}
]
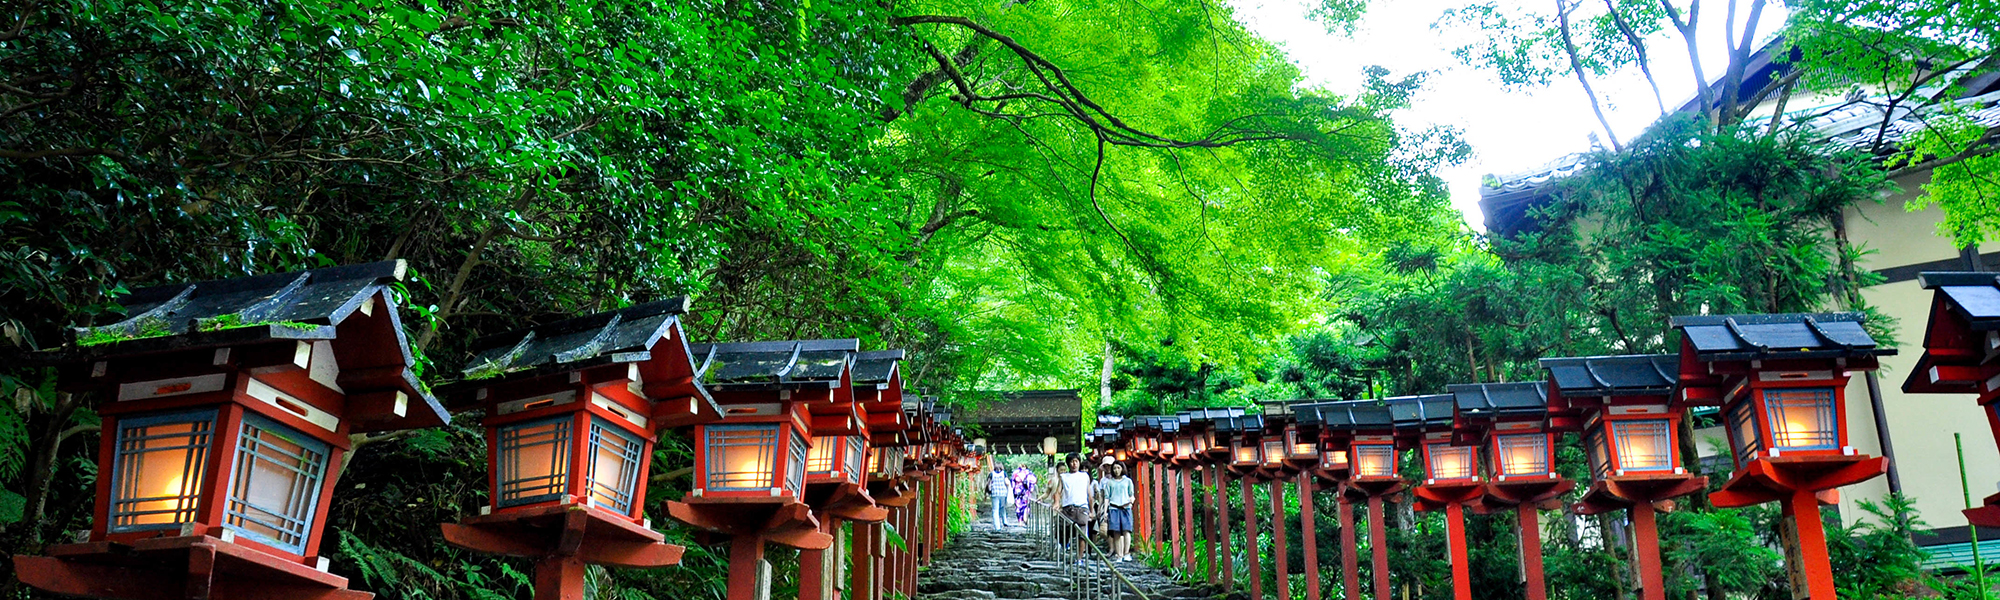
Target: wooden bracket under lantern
[
  {"x": 572, "y": 409},
  {"x": 228, "y": 407}
]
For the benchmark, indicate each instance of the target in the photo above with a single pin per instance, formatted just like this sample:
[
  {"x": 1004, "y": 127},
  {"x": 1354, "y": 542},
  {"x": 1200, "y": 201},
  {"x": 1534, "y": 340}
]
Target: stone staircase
[{"x": 984, "y": 563}]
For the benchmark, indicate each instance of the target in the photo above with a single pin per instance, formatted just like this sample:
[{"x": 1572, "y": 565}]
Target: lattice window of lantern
[
  {"x": 795, "y": 472},
  {"x": 274, "y": 492},
  {"x": 742, "y": 457},
  {"x": 1802, "y": 418},
  {"x": 1643, "y": 445},
  {"x": 157, "y": 473},
  {"x": 534, "y": 461},
  {"x": 615, "y": 457},
  {"x": 1375, "y": 460},
  {"x": 824, "y": 456},
  {"x": 1743, "y": 429},
  {"x": 1524, "y": 454},
  {"x": 856, "y": 449}
]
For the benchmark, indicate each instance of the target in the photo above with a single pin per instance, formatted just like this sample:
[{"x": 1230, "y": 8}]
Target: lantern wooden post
[
  {"x": 1782, "y": 382},
  {"x": 1280, "y": 557},
  {"x": 1369, "y": 431},
  {"x": 1350, "y": 559},
  {"x": 560, "y": 398},
  {"x": 1187, "y": 508},
  {"x": 1309, "y": 534},
  {"x": 1451, "y": 473},
  {"x": 229, "y": 406},
  {"x": 1959, "y": 346},
  {"x": 1321, "y": 453},
  {"x": 1510, "y": 421},
  {"x": 1250, "y": 542},
  {"x": 1618, "y": 401}
]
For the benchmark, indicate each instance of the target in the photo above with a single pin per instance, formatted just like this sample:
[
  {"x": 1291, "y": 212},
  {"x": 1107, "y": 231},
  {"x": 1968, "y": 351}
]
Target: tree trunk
[{"x": 1563, "y": 7}]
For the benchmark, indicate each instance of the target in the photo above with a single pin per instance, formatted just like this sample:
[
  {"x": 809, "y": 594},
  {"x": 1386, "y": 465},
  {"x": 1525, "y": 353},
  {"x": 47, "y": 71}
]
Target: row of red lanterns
[
  {"x": 1779, "y": 381},
  {"x": 228, "y": 406}
]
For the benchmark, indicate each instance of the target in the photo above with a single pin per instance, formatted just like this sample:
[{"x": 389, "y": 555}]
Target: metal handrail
[{"x": 1053, "y": 530}]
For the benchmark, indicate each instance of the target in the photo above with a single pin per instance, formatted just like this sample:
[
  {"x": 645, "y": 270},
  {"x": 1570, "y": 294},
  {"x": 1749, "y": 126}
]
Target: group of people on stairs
[{"x": 1098, "y": 500}]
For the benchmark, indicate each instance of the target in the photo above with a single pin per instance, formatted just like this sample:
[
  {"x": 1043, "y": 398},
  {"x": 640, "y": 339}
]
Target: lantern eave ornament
[{"x": 234, "y": 400}]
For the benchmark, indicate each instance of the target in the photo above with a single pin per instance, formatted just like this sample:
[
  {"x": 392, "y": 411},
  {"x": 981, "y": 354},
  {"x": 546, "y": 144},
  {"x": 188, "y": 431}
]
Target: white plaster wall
[{"x": 1920, "y": 425}]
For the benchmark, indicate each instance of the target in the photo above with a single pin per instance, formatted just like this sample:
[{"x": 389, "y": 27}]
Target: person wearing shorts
[
  {"x": 1072, "y": 494},
  {"x": 1118, "y": 496}
]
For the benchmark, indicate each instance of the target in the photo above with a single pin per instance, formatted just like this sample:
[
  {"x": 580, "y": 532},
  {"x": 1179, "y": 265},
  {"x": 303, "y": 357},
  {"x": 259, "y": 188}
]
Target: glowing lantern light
[{"x": 1511, "y": 422}]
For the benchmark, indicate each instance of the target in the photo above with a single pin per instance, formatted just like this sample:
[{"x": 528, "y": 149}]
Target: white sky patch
[{"x": 1509, "y": 132}]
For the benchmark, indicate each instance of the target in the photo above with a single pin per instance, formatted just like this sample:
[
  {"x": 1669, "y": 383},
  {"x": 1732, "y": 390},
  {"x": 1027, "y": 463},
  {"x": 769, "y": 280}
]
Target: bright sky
[{"x": 1509, "y": 132}]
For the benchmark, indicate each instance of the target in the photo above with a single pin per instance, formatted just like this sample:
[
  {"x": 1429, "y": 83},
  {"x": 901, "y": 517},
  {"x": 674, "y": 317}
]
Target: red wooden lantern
[
  {"x": 572, "y": 409},
  {"x": 1782, "y": 383},
  {"x": 1960, "y": 343},
  {"x": 1510, "y": 422},
  {"x": 878, "y": 391},
  {"x": 1615, "y": 401},
  {"x": 750, "y": 466},
  {"x": 1452, "y": 472},
  {"x": 231, "y": 406},
  {"x": 837, "y": 486}
]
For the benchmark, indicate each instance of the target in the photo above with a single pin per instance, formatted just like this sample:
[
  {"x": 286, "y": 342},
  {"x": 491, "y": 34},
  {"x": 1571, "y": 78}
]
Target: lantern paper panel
[
  {"x": 1374, "y": 460},
  {"x": 1300, "y": 448},
  {"x": 1522, "y": 454},
  {"x": 1274, "y": 451},
  {"x": 742, "y": 458},
  {"x": 1801, "y": 418},
  {"x": 159, "y": 468},
  {"x": 1643, "y": 444},
  {"x": 1247, "y": 452},
  {"x": 614, "y": 474},
  {"x": 274, "y": 493},
  {"x": 1448, "y": 462},
  {"x": 534, "y": 461},
  {"x": 1333, "y": 459}
]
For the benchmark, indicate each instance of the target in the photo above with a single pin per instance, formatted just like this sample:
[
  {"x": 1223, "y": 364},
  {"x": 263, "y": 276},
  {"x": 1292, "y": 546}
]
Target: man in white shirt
[
  {"x": 1118, "y": 496},
  {"x": 1072, "y": 495}
]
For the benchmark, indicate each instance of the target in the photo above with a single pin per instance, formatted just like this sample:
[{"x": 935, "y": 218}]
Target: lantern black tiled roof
[
  {"x": 1240, "y": 424},
  {"x": 1624, "y": 375},
  {"x": 310, "y": 305},
  {"x": 291, "y": 305},
  {"x": 1499, "y": 400},
  {"x": 1422, "y": 412},
  {"x": 619, "y": 336},
  {"x": 1208, "y": 417},
  {"x": 876, "y": 367},
  {"x": 1352, "y": 415},
  {"x": 792, "y": 363},
  {"x": 1028, "y": 406},
  {"x": 1974, "y": 295},
  {"x": 1794, "y": 335}
]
